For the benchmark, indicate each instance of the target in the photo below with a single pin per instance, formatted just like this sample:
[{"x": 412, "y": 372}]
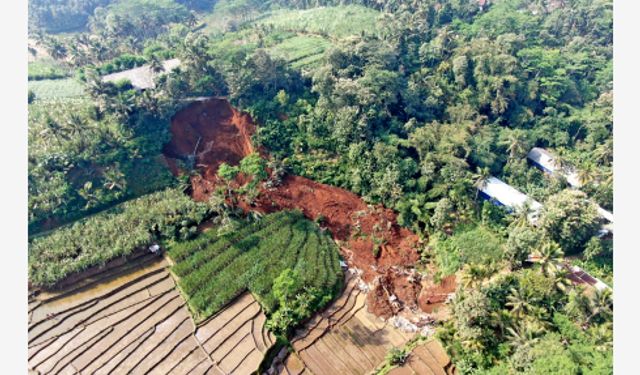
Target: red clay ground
[{"x": 219, "y": 133}]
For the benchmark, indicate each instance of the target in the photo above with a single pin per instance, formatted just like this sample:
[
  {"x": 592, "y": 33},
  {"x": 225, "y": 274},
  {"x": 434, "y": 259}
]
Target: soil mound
[{"x": 213, "y": 132}]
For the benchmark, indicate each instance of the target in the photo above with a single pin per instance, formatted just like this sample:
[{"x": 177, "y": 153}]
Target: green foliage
[
  {"x": 57, "y": 89},
  {"x": 478, "y": 246},
  {"x": 82, "y": 161},
  {"x": 46, "y": 69},
  {"x": 305, "y": 274},
  {"x": 569, "y": 219},
  {"x": 111, "y": 234},
  {"x": 338, "y": 21}
]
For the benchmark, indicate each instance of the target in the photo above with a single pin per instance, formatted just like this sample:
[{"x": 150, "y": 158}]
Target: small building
[
  {"x": 142, "y": 77},
  {"x": 505, "y": 195},
  {"x": 545, "y": 161}
]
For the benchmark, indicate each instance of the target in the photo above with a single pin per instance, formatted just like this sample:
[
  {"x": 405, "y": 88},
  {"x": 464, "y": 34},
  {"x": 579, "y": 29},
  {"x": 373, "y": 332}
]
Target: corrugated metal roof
[
  {"x": 509, "y": 196},
  {"x": 546, "y": 161},
  {"x": 604, "y": 213},
  {"x": 141, "y": 77}
]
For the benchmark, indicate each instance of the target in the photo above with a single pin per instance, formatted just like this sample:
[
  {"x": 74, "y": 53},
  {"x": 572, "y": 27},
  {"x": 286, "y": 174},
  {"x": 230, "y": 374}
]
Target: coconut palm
[
  {"x": 521, "y": 215},
  {"x": 519, "y": 302},
  {"x": 155, "y": 64},
  {"x": 480, "y": 179},
  {"x": 588, "y": 173},
  {"x": 525, "y": 333},
  {"x": 550, "y": 256},
  {"x": 600, "y": 305},
  {"x": 473, "y": 274},
  {"x": 515, "y": 141}
]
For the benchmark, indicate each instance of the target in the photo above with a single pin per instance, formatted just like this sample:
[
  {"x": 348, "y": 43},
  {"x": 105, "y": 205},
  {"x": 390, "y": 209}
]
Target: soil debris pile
[{"x": 211, "y": 132}]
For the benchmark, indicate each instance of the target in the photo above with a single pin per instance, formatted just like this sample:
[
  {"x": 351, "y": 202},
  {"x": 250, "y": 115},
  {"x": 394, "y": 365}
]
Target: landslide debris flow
[{"x": 211, "y": 132}]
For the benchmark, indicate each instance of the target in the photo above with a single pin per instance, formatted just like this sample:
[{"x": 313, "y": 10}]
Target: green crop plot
[
  {"x": 301, "y": 50},
  {"x": 338, "y": 22},
  {"x": 52, "y": 89},
  {"x": 214, "y": 269}
]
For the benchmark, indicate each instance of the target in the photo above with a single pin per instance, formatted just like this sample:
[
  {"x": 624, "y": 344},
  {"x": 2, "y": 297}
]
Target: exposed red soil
[
  {"x": 225, "y": 136},
  {"x": 434, "y": 296}
]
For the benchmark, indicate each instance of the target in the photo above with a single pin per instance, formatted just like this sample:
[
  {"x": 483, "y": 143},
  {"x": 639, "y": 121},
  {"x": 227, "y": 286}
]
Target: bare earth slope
[{"x": 216, "y": 132}]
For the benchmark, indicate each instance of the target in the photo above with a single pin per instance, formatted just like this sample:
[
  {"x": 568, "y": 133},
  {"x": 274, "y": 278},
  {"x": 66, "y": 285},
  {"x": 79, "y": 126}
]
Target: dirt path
[{"x": 215, "y": 132}]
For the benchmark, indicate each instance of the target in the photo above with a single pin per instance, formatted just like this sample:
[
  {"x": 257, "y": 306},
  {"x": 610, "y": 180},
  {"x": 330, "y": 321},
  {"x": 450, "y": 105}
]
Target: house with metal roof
[
  {"x": 503, "y": 194},
  {"x": 545, "y": 161}
]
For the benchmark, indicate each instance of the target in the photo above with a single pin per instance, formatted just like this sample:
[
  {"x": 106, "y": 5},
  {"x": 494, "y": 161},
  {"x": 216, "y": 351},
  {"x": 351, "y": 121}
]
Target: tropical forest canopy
[{"x": 412, "y": 104}]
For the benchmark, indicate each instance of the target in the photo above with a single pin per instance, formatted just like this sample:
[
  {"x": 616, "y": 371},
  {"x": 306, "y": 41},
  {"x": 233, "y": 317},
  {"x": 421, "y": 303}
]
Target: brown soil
[
  {"x": 219, "y": 133},
  {"x": 139, "y": 323}
]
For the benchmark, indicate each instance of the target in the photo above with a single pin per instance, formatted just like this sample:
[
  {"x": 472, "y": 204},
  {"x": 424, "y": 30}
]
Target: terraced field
[
  {"x": 344, "y": 339},
  {"x": 429, "y": 358},
  {"x": 138, "y": 323}
]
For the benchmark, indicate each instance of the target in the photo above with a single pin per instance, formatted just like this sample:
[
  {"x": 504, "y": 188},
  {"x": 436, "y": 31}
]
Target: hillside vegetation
[{"x": 283, "y": 259}]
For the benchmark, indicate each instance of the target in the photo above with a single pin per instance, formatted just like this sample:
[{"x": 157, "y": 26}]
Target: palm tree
[
  {"x": 550, "y": 256},
  {"x": 515, "y": 140},
  {"x": 560, "y": 159},
  {"x": 561, "y": 280},
  {"x": 588, "y": 174},
  {"x": 502, "y": 319},
  {"x": 519, "y": 303},
  {"x": 525, "y": 333},
  {"x": 604, "y": 152},
  {"x": 156, "y": 65},
  {"x": 600, "y": 305},
  {"x": 473, "y": 274},
  {"x": 521, "y": 215},
  {"x": 114, "y": 178},
  {"x": 480, "y": 179}
]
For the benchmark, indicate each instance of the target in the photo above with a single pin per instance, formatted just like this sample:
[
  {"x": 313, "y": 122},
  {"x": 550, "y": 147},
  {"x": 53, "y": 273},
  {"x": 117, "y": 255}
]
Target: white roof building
[
  {"x": 545, "y": 161},
  {"x": 141, "y": 77},
  {"x": 504, "y": 194}
]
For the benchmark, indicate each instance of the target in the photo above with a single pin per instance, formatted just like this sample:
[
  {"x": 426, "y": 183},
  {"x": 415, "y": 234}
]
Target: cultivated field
[
  {"x": 52, "y": 89},
  {"x": 344, "y": 339},
  {"x": 213, "y": 270},
  {"x": 138, "y": 323},
  {"x": 429, "y": 358}
]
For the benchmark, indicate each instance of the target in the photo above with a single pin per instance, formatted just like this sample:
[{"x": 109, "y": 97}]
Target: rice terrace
[{"x": 327, "y": 187}]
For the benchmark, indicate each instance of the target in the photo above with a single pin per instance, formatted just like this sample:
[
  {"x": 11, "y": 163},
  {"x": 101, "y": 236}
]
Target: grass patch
[
  {"x": 47, "y": 69},
  {"x": 468, "y": 245},
  {"x": 301, "y": 50},
  {"x": 55, "y": 89},
  {"x": 213, "y": 269},
  {"x": 337, "y": 22}
]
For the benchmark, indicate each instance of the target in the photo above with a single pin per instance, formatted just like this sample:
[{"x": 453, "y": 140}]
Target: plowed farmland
[
  {"x": 214, "y": 132},
  {"x": 426, "y": 359},
  {"x": 344, "y": 339},
  {"x": 138, "y": 323}
]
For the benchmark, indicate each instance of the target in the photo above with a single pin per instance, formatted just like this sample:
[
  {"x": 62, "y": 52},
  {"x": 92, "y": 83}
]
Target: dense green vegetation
[
  {"x": 335, "y": 22},
  {"x": 286, "y": 261},
  {"x": 413, "y": 104},
  {"x": 94, "y": 241},
  {"x": 82, "y": 159},
  {"x": 523, "y": 322}
]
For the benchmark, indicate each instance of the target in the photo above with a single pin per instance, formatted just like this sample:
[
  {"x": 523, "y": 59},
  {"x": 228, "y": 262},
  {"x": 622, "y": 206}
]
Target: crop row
[{"x": 215, "y": 269}]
